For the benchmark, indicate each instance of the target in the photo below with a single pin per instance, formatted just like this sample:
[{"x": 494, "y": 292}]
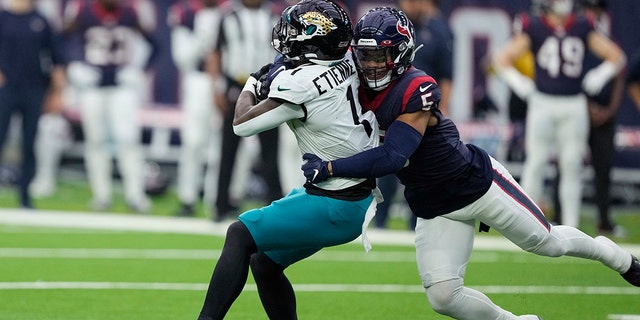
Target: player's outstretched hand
[{"x": 315, "y": 170}]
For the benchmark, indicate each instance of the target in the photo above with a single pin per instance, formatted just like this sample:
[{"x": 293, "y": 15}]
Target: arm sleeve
[{"x": 400, "y": 141}]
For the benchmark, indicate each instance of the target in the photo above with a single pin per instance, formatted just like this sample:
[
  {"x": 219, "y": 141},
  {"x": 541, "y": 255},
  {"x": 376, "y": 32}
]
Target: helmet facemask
[{"x": 375, "y": 64}]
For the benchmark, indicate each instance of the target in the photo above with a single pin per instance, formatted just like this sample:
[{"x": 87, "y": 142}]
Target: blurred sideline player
[
  {"x": 603, "y": 108},
  {"x": 242, "y": 46},
  {"x": 557, "y": 109},
  {"x": 54, "y": 134},
  {"x": 31, "y": 75},
  {"x": 193, "y": 29},
  {"x": 107, "y": 61}
]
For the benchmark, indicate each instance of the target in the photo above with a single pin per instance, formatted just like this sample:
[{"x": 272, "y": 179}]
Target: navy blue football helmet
[
  {"x": 383, "y": 35},
  {"x": 313, "y": 30}
]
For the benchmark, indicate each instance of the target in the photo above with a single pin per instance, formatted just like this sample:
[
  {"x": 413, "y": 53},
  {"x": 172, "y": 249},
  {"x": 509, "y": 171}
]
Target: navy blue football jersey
[
  {"x": 443, "y": 174},
  {"x": 106, "y": 38},
  {"x": 559, "y": 52}
]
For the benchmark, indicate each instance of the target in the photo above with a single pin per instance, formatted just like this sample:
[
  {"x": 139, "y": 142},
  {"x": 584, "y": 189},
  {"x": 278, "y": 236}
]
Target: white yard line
[
  {"x": 149, "y": 223},
  {"x": 372, "y": 288}
]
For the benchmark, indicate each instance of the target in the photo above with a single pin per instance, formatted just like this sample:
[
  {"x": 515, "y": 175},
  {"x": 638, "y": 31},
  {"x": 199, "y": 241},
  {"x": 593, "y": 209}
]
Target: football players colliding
[{"x": 449, "y": 185}]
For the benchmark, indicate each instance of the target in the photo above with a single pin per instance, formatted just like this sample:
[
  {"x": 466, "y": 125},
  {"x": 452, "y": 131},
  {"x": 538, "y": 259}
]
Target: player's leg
[
  {"x": 230, "y": 273},
  {"x": 124, "y": 108},
  {"x": 274, "y": 288},
  {"x": 31, "y": 111},
  {"x": 194, "y": 137},
  {"x": 96, "y": 145},
  {"x": 293, "y": 218},
  {"x": 53, "y": 138},
  {"x": 538, "y": 142},
  {"x": 228, "y": 151},
  {"x": 573, "y": 132},
  {"x": 284, "y": 226},
  {"x": 601, "y": 143},
  {"x": 507, "y": 209},
  {"x": 443, "y": 248},
  {"x": 388, "y": 186}
]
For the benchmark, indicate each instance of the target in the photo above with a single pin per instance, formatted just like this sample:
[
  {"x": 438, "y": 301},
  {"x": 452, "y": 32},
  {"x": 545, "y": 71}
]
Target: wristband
[{"x": 250, "y": 85}]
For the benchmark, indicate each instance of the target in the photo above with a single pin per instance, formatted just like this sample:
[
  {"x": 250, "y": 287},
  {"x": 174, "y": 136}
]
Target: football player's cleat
[{"x": 633, "y": 274}]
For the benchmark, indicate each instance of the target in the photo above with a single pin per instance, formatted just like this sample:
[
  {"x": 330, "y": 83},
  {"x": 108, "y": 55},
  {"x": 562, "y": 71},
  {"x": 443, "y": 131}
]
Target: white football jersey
[{"x": 334, "y": 125}]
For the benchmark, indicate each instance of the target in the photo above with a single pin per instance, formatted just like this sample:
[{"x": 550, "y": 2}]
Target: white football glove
[
  {"x": 251, "y": 85},
  {"x": 130, "y": 76},
  {"x": 598, "y": 77},
  {"x": 520, "y": 84},
  {"x": 83, "y": 75}
]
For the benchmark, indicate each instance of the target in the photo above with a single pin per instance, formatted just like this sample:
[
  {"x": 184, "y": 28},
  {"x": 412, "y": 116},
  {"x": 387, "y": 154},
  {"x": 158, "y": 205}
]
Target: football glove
[
  {"x": 83, "y": 75},
  {"x": 315, "y": 170},
  {"x": 266, "y": 74},
  {"x": 595, "y": 79},
  {"x": 130, "y": 76},
  {"x": 261, "y": 89}
]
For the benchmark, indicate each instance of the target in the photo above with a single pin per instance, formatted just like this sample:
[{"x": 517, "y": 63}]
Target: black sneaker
[{"x": 633, "y": 274}]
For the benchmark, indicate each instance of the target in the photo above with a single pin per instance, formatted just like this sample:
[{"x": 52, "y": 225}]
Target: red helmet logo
[{"x": 403, "y": 29}]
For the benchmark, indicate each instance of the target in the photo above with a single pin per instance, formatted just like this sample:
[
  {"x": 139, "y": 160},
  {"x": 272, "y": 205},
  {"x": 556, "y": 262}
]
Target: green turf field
[
  {"x": 79, "y": 273},
  {"x": 64, "y": 273}
]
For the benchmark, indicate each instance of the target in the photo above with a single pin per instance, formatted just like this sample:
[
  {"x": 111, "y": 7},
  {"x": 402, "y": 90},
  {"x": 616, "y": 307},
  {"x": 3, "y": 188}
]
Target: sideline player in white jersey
[
  {"x": 108, "y": 57},
  {"x": 557, "y": 113},
  {"x": 193, "y": 25},
  {"x": 316, "y": 96}
]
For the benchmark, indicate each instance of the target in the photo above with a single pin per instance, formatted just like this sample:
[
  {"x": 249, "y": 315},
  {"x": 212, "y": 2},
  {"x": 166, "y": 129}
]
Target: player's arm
[
  {"x": 600, "y": 114},
  {"x": 251, "y": 117},
  {"x": 504, "y": 65},
  {"x": 633, "y": 83},
  {"x": 633, "y": 89},
  {"x": 614, "y": 60},
  {"x": 401, "y": 140},
  {"x": 213, "y": 66},
  {"x": 184, "y": 48}
]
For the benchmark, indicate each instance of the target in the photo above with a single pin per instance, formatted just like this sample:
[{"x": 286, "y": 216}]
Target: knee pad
[{"x": 443, "y": 296}]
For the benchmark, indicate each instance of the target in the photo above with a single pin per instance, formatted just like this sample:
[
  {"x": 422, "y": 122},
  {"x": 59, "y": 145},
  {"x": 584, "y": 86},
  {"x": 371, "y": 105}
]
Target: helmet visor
[{"x": 375, "y": 63}]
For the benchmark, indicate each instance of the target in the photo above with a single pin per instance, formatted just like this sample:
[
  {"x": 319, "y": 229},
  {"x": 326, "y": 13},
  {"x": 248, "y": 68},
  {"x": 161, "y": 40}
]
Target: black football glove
[
  {"x": 315, "y": 170},
  {"x": 265, "y": 77}
]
